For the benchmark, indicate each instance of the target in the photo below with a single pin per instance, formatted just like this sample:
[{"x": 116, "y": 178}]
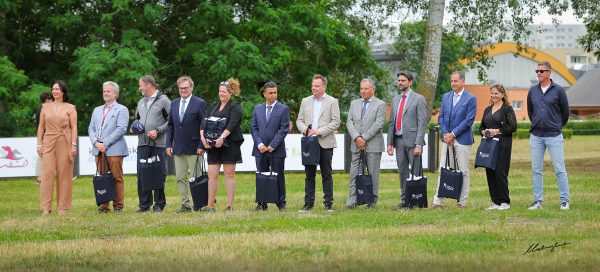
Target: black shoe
[
  {"x": 350, "y": 207},
  {"x": 184, "y": 209},
  {"x": 306, "y": 208},
  {"x": 370, "y": 206},
  {"x": 117, "y": 210},
  {"x": 101, "y": 211},
  {"x": 261, "y": 207},
  {"x": 281, "y": 208},
  {"x": 401, "y": 207},
  {"x": 229, "y": 209},
  {"x": 157, "y": 209},
  {"x": 142, "y": 210},
  {"x": 209, "y": 209},
  {"x": 328, "y": 207}
]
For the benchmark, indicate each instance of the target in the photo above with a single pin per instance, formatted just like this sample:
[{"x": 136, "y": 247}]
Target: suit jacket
[
  {"x": 329, "y": 119},
  {"x": 272, "y": 132},
  {"x": 112, "y": 135},
  {"x": 154, "y": 118},
  {"x": 369, "y": 127},
  {"x": 458, "y": 119},
  {"x": 184, "y": 135},
  {"x": 414, "y": 120}
]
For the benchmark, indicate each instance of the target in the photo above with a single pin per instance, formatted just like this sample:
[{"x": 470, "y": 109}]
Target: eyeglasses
[
  {"x": 184, "y": 88},
  {"x": 540, "y": 71}
]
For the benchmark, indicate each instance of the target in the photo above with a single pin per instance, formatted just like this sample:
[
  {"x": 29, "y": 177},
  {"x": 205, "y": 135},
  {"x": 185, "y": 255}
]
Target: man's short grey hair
[
  {"x": 371, "y": 82},
  {"x": 545, "y": 63},
  {"x": 148, "y": 79},
  {"x": 460, "y": 74},
  {"x": 182, "y": 79},
  {"x": 112, "y": 84}
]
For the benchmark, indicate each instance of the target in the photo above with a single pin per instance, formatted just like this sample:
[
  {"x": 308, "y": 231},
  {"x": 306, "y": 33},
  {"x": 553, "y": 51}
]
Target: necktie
[
  {"x": 269, "y": 108},
  {"x": 455, "y": 100},
  {"x": 364, "y": 109},
  {"x": 181, "y": 110},
  {"x": 400, "y": 110}
]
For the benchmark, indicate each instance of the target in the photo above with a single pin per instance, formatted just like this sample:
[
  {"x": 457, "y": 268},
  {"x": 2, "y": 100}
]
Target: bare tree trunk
[{"x": 432, "y": 53}]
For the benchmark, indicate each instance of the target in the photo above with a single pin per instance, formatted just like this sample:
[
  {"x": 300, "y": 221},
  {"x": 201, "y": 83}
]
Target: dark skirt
[{"x": 225, "y": 155}]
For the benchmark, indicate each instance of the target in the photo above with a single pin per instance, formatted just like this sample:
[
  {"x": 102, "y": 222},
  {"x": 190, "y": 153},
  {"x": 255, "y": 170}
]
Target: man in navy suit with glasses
[
  {"x": 270, "y": 125},
  {"x": 183, "y": 137}
]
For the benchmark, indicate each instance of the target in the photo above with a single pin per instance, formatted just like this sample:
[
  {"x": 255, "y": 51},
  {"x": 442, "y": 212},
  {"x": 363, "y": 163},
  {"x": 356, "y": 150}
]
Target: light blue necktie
[
  {"x": 364, "y": 109},
  {"x": 181, "y": 110}
]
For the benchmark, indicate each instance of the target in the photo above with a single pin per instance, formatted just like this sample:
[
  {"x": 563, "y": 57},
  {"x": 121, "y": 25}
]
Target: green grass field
[{"x": 381, "y": 239}]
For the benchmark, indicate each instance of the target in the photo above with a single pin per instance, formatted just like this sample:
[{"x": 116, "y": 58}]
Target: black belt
[{"x": 397, "y": 136}]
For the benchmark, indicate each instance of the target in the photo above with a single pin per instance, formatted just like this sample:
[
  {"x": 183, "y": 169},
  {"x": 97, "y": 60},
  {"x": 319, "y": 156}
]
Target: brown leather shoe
[{"x": 460, "y": 206}]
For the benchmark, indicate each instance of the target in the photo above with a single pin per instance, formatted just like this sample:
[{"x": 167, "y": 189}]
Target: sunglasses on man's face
[{"x": 540, "y": 71}]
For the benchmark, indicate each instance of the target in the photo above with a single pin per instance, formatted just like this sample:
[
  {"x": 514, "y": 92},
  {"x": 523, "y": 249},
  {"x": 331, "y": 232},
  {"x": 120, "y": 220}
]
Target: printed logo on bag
[
  {"x": 360, "y": 192},
  {"x": 101, "y": 192},
  {"x": 448, "y": 187},
  {"x": 305, "y": 154},
  {"x": 484, "y": 155},
  {"x": 417, "y": 196}
]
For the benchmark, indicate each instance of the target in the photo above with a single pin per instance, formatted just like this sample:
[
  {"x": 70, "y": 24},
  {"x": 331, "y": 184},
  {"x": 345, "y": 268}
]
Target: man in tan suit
[{"x": 323, "y": 113}]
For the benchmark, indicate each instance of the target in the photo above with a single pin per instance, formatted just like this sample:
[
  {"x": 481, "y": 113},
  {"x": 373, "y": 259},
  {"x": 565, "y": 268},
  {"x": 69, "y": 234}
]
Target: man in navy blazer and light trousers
[
  {"x": 106, "y": 131},
  {"x": 183, "y": 137},
  {"x": 270, "y": 125},
  {"x": 457, "y": 114}
]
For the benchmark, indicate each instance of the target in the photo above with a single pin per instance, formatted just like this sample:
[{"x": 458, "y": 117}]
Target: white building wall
[{"x": 513, "y": 72}]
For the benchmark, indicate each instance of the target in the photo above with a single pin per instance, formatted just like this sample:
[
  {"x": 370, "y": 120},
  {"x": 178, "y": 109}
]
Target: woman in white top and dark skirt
[
  {"x": 224, "y": 148},
  {"x": 499, "y": 121}
]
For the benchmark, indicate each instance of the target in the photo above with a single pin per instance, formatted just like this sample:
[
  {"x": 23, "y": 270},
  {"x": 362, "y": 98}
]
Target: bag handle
[
  {"x": 412, "y": 167},
  {"x": 151, "y": 144},
  {"x": 270, "y": 156},
  {"x": 362, "y": 165},
  {"x": 448, "y": 157},
  {"x": 202, "y": 166},
  {"x": 105, "y": 161}
]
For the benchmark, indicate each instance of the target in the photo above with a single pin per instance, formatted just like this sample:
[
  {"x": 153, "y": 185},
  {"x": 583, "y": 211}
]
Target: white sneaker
[
  {"x": 535, "y": 205},
  {"x": 564, "y": 206},
  {"x": 503, "y": 206},
  {"x": 493, "y": 207}
]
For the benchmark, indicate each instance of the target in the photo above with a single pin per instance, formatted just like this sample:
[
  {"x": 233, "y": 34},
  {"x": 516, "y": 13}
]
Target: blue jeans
[{"x": 555, "y": 147}]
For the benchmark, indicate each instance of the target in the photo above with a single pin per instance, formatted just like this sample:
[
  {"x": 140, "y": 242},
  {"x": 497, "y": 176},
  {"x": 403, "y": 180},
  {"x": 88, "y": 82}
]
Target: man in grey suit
[
  {"x": 107, "y": 134},
  {"x": 153, "y": 110},
  {"x": 322, "y": 112},
  {"x": 406, "y": 130},
  {"x": 365, "y": 121}
]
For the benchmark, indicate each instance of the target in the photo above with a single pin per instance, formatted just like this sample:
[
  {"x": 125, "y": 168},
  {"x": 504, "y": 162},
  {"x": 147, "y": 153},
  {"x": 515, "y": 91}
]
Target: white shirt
[
  {"x": 184, "y": 107},
  {"x": 544, "y": 89},
  {"x": 151, "y": 99},
  {"x": 317, "y": 111}
]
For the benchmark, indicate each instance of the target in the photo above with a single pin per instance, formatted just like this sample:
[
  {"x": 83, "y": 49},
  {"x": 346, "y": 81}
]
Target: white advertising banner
[
  {"x": 389, "y": 162},
  {"x": 18, "y": 157}
]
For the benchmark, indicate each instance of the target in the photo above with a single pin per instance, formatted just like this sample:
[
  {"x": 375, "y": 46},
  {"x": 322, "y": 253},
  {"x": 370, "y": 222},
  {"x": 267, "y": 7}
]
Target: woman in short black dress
[
  {"x": 499, "y": 121},
  {"x": 225, "y": 149}
]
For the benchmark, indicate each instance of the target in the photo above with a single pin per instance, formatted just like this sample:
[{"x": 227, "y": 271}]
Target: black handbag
[
  {"x": 416, "y": 186},
  {"x": 487, "y": 153},
  {"x": 310, "y": 149},
  {"x": 364, "y": 182},
  {"x": 267, "y": 187},
  {"x": 451, "y": 179},
  {"x": 214, "y": 127},
  {"x": 199, "y": 185},
  {"x": 104, "y": 185},
  {"x": 152, "y": 170}
]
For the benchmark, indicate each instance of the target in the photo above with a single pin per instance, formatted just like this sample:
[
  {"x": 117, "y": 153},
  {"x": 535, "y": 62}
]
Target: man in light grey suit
[
  {"x": 322, "y": 112},
  {"x": 365, "y": 121},
  {"x": 106, "y": 131},
  {"x": 406, "y": 130}
]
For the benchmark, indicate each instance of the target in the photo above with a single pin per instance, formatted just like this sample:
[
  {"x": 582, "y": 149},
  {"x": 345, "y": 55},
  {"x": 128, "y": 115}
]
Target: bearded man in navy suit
[
  {"x": 270, "y": 125},
  {"x": 183, "y": 137}
]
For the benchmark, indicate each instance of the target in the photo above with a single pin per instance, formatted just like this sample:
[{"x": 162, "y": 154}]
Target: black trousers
[
  {"x": 311, "y": 172},
  {"x": 498, "y": 179},
  {"x": 145, "y": 197},
  {"x": 262, "y": 165}
]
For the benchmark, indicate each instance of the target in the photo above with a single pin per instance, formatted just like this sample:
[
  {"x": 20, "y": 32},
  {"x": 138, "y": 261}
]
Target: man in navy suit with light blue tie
[
  {"x": 107, "y": 133},
  {"x": 270, "y": 125},
  {"x": 457, "y": 114},
  {"x": 183, "y": 137}
]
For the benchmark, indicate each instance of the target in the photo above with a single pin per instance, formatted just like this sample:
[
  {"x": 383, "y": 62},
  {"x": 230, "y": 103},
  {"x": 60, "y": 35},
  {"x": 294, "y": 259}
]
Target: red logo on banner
[{"x": 11, "y": 158}]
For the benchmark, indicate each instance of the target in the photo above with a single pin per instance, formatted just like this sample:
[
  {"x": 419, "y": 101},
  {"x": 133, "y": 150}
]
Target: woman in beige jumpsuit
[{"x": 58, "y": 129}]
